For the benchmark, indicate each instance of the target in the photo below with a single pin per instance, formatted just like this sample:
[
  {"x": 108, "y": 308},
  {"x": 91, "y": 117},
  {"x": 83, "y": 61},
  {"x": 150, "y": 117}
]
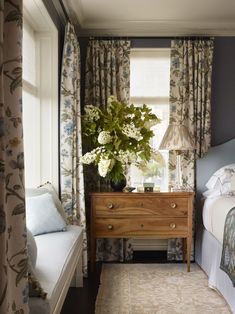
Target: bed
[{"x": 210, "y": 216}]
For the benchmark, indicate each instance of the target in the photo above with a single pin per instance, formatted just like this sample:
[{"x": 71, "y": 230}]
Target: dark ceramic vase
[{"x": 118, "y": 186}]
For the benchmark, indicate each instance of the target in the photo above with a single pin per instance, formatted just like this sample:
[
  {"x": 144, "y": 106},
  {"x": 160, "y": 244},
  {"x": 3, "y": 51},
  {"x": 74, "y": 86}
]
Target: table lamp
[{"x": 177, "y": 138}]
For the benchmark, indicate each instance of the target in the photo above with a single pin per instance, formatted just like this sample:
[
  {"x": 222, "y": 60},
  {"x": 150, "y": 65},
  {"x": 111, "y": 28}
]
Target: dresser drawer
[
  {"x": 134, "y": 227},
  {"x": 137, "y": 205}
]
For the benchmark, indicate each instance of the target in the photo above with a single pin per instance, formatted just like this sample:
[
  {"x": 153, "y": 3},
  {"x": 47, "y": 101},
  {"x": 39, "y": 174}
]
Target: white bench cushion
[{"x": 56, "y": 253}]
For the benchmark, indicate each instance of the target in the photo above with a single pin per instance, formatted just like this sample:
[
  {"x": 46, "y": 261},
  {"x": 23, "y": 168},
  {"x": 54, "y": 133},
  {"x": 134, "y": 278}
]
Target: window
[
  {"x": 40, "y": 95},
  {"x": 149, "y": 84}
]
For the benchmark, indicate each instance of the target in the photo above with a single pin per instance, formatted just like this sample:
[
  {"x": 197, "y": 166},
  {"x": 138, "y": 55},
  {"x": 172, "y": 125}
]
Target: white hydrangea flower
[
  {"x": 131, "y": 131},
  {"x": 121, "y": 156},
  {"x": 126, "y": 157},
  {"x": 104, "y": 137},
  {"x": 89, "y": 157},
  {"x": 92, "y": 113},
  {"x": 103, "y": 166},
  {"x": 111, "y": 99},
  {"x": 132, "y": 157},
  {"x": 98, "y": 150}
]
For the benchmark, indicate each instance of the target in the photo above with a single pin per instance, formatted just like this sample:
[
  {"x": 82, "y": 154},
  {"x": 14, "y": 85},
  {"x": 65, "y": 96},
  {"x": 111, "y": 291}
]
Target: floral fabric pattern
[
  {"x": 13, "y": 247},
  {"x": 107, "y": 71},
  {"x": 71, "y": 171},
  {"x": 190, "y": 105},
  {"x": 107, "y": 74},
  {"x": 228, "y": 253}
]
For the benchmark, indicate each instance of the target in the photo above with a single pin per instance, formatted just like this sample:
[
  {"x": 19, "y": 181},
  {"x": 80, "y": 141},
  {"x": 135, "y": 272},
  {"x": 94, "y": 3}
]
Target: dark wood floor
[{"x": 82, "y": 300}]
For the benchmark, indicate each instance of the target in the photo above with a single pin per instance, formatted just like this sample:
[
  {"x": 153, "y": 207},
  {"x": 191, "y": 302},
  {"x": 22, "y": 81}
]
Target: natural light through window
[
  {"x": 149, "y": 84},
  {"x": 40, "y": 95},
  {"x": 31, "y": 107}
]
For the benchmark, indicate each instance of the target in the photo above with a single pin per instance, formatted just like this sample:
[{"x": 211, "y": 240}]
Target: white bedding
[
  {"x": 55, "y": 255},
  {"x": 214, "y": 214}
]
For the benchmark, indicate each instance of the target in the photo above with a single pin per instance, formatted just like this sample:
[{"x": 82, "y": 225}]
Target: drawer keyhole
[{"x": 141, "y": 225}]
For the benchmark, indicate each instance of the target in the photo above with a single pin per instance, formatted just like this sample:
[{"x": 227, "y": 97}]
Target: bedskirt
[{"x": 208, "y": 252}]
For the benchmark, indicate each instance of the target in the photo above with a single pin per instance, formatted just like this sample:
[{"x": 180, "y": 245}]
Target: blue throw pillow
[
  {"x": 47, "y": 188},
  {"x": 42, "y": 215}
]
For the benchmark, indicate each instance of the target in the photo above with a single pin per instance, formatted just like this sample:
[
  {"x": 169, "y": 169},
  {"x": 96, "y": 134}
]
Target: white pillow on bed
[
  {"x": 42, "y": 215},
  {"x": 223, "y": 180}
]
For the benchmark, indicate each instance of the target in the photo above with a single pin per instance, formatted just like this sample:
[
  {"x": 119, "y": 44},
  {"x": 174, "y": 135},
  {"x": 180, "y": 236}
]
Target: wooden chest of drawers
[{"x": 141, "y": 215}]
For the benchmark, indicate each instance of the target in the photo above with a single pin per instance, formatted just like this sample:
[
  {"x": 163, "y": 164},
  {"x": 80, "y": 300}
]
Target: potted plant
[{"x": 118, "y": 135}]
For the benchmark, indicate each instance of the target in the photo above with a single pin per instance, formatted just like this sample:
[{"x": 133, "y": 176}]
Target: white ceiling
[{"x": 153, "y": 17}]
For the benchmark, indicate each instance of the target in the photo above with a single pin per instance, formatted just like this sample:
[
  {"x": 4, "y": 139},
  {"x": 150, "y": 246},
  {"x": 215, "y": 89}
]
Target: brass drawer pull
[
  {"x": 172, "y": 225},
  {"x": 110, "y": 227},
  {"x": 173, "y": 205},
  {"x": 110, "y": 205}
]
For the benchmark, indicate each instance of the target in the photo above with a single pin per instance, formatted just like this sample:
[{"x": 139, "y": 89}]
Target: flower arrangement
[{"x": 119, "y": 135}]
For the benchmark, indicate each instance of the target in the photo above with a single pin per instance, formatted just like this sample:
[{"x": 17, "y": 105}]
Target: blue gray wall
[{"x": 223, "y": 90}]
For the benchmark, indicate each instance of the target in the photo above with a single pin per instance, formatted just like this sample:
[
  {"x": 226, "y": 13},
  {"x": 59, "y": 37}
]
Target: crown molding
[
  {"x": 75, "y": 11},
  {"x": 157, "y": 28},
  {"x": 146, "y": 28}
]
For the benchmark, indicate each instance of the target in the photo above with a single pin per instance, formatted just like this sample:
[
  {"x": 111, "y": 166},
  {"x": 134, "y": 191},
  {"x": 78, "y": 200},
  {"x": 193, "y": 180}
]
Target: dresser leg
[
  {"x": 189, "y": 243},
  {"x": 93, "y": 254},
  {"x": 184, "y": 250}
]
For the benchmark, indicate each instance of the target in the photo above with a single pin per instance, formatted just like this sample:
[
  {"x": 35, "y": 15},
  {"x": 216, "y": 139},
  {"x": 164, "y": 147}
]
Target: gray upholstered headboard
[{"x": 217, "y": 157}]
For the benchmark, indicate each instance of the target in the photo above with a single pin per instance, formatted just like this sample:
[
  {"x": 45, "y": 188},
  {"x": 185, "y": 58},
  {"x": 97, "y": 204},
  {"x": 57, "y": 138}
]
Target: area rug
[{"x": 156, "y": 288}]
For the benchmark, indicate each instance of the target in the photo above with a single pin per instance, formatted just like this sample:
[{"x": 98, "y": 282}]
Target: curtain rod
[
  {"x": 109, "y": 37},
  {"x": 147, "y": 38}
]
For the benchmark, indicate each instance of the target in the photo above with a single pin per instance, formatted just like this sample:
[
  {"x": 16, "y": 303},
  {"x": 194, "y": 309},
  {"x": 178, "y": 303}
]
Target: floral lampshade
[{"x": 177, "y": 138}]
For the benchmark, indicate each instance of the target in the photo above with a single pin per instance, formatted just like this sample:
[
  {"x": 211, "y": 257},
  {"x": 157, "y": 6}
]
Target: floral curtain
[
  {"x": 13, "y": 254},
  {"x": 71, "y": 171},
  {"x": 107, "y": 73},
  {"x": 190, "y": 104}
]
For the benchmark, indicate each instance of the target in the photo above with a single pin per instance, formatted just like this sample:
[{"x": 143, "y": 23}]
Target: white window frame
[{"x": 46, "y": 35}]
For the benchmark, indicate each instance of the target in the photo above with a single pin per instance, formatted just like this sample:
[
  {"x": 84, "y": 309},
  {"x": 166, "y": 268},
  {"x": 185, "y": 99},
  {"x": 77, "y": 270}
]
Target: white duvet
[{"x": 214, "y": 214}]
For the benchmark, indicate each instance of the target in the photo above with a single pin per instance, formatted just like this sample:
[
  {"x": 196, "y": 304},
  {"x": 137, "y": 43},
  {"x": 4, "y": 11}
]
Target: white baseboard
[{"x": 149, "y": 244}]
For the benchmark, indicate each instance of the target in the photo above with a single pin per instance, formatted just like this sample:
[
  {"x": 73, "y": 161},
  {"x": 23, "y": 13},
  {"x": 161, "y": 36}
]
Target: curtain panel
[
  {"x": 190, "y": 105},
  {"x": 71, "y": 171},
  {"x": 13, "y": 253},
  {"x": 107, "y": 73}
]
